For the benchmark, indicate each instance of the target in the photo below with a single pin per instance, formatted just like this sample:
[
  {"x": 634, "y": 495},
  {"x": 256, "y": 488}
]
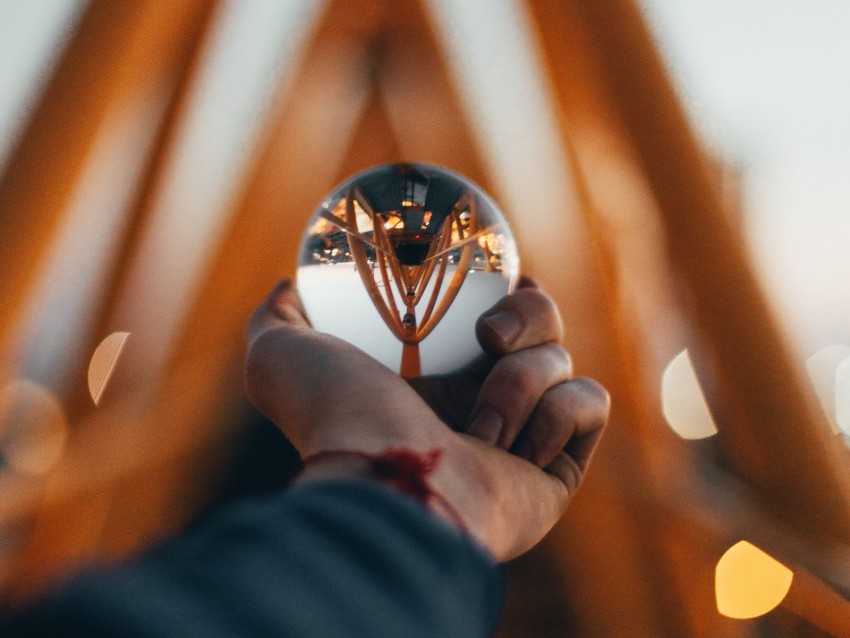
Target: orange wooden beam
[
  {"x": 422, "y": 97},
  {"x": 294, "y": 169},
  {"x": 184, "y": 69},
  {"x": 117, "y": 46},
  {"x": 610, "y": 198},
  {"x": 119, "y": 50},
  {"x": 769, "y": 429}
]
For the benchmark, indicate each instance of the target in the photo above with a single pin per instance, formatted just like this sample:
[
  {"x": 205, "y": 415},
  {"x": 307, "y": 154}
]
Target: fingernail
[
  {"x": 505, "y": 324},
  {"x": 486, "y": 425}
]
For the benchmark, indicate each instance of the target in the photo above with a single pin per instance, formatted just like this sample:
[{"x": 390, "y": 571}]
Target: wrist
[{"x": 407, "y": 471}]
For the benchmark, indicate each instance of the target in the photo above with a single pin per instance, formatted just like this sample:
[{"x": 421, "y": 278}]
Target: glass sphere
[{"x": 400, "y": 260}]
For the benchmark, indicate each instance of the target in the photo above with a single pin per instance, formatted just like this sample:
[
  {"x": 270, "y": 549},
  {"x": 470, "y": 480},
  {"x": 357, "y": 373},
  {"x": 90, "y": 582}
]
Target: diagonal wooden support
[
  {"x": 185, "y": 67},
  {"x": 770, "y": 430},
  {"x": 117, "y": 46}
]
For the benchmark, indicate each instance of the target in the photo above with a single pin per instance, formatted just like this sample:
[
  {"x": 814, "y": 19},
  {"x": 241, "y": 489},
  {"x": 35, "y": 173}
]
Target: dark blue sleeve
[{"x": 324, "y": 558}]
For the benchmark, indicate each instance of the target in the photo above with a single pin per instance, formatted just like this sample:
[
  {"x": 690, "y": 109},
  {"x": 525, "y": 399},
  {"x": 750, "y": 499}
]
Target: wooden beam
[
  {"x": 183, "y": 69},
  {"x": 422, "y": 96},
  {"x": 616, "y": 195},
  {"x": 300, "y": 157},
  {"x": 199, "y": 394},
  {"x": 597, "y": 298},
  {"x": 770, "y": 430},
  {"x": 374, "y": 141},
  {"x": 117, "y": 46}
]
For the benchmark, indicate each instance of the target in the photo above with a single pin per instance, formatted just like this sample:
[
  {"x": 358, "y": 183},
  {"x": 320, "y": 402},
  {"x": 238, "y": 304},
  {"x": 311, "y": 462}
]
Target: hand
[{"x": 517, "y": 432}]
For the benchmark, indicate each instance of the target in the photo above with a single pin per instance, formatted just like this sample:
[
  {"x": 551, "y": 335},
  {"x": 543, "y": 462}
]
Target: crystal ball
[{"x": 400, "y": 260}]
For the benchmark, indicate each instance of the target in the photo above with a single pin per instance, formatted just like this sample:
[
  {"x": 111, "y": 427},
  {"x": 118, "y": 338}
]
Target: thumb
[{"x": 282, "y": 305}]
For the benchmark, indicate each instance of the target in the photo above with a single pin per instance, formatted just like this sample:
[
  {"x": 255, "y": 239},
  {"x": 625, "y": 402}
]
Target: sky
[{"x": 767, "y": 85}]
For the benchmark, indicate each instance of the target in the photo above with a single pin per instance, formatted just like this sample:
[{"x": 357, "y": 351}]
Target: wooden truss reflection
[{"x": 404, "y": 261}]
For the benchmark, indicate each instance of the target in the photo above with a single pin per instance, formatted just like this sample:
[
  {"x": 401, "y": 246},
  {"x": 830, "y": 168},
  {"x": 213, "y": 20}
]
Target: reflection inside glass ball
[{"x": 400, "y": 260}]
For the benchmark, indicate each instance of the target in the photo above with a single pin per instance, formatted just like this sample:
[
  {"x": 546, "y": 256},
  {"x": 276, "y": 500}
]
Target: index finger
[{"x": 521, "y": 320}]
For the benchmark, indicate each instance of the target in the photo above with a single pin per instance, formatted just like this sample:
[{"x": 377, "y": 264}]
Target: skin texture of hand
[{"x": 516, "y": 430}]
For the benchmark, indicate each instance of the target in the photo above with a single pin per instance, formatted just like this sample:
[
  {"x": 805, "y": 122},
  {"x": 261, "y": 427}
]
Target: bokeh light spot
[
  {"x": 683, "y": 402},
  {"x": 842, "y": 396},
  {"x": 822, "y": 367},
  {"x": 749, "y": 582},
  {"x": 103, "y": 363},
  {"x": 33, "y": 427}
]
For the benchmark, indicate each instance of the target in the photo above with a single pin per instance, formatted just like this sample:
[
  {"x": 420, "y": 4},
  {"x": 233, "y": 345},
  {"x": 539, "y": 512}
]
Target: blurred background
[{"x": 676, "y": 173}]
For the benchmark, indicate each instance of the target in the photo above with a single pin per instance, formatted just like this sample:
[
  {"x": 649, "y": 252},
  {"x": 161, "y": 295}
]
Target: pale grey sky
[{"x": 768, "y": 85}]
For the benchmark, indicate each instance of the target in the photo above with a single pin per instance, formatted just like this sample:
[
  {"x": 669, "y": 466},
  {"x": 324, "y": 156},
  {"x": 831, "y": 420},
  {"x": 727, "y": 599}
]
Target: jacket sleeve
[{"x": 324, "y": 558}]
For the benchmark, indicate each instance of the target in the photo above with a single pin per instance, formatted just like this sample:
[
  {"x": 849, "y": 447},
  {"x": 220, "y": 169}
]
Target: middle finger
[{"x": 511, "y": 391}]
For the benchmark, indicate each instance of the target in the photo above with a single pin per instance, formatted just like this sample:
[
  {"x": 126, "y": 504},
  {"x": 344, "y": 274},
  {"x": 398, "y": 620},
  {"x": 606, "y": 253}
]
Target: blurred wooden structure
[{"x": 641, "y": 258}]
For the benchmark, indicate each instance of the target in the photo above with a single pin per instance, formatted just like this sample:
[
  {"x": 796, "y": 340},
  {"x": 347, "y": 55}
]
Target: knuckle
[
  {"x": 554, "y": 405},
  {"x": 520, "y": 378},
  {"x": 546, "y": 304},
  {"x": 552, "y": 423},
  {"x": 595, "y": 391},
  {"x": 561, "y": 359}
]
